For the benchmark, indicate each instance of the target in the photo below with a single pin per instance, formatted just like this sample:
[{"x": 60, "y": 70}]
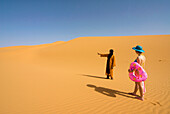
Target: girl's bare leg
[
  {"x": 141, "y": 90},
  {"x": 136, "y": 88}
]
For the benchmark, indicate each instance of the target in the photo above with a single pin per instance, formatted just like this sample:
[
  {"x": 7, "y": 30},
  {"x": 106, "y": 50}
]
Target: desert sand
[{"x": 69, "y": 77}]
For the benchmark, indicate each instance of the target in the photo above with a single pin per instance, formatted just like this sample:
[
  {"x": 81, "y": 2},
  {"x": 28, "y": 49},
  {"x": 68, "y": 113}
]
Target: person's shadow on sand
[
  {"x": 110, "y": 92},
  {"x": 93, "y": 76}
]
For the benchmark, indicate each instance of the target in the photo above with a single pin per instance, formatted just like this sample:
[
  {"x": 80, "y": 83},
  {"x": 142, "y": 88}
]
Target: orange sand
[{"x": 68, "y": 77}]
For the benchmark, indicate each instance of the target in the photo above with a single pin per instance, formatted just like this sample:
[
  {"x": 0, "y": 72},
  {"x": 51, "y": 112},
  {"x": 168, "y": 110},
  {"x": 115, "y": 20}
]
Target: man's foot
[
  {"x": 111, "y": 78},
  {"x": 107, "y": 77}
]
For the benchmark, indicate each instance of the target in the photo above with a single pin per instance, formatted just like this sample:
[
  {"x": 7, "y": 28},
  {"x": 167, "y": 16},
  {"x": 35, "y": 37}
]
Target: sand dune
[{"x": 68, "y": 77}]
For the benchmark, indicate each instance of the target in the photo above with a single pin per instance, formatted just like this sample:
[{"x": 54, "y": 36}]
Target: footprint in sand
[
  {"x": 158, "y": 103},
  {"x": 155, "y": 102}
]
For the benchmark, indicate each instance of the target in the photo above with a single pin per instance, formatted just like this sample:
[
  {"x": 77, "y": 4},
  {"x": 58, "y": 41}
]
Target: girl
[{"x": 140, "y": 60}]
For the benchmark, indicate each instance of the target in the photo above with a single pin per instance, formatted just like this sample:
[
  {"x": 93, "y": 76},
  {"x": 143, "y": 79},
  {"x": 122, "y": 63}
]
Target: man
[{"x": 110, "y": 63}]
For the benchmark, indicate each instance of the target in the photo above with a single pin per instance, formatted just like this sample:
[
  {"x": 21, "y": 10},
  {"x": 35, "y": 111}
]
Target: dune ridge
[{"x": 68, "y": 77}]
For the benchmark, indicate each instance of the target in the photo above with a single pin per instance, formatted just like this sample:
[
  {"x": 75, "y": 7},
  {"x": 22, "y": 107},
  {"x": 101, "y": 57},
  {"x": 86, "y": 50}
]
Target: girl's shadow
[{"x": 110, "y": 92}]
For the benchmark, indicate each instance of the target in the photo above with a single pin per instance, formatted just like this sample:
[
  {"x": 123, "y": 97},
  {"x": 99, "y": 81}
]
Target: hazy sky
[{"x": 30, "y": 22}]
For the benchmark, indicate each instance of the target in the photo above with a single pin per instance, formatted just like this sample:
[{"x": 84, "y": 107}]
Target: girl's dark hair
[{"x": 139, "y": 52}]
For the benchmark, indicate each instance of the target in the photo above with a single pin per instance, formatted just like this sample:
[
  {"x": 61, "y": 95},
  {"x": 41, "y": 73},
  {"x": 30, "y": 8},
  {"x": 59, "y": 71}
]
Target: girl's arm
[{"x": 138, "y": 61}]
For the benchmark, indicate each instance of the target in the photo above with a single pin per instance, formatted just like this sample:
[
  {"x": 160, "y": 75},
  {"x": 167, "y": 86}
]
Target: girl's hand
[
  {"x": 137, "y": 72},
  {"x": 129, "y": 70},
  {"x": 98, "y": 53}
]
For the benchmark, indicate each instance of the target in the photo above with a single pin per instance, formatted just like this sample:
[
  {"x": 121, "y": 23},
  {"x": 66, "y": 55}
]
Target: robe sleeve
[
  {"x": 114, "y": 61},
  {"x": 104, "y": 55}
]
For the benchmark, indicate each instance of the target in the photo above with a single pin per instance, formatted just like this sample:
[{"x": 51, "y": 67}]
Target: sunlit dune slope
[{"x": 68, "y": 77}]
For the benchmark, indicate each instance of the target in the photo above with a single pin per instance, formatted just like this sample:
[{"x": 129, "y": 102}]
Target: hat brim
[{"x": 134, "y": 48}]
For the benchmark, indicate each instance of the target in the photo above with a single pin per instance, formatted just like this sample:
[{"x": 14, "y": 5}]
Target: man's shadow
[
  {"x": 93, "y": 76},
  {"x": 110, "y": 92}
]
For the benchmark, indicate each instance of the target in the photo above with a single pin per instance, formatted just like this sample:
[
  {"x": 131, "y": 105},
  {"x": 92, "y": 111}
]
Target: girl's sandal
[{"x": 139, "y": 98}]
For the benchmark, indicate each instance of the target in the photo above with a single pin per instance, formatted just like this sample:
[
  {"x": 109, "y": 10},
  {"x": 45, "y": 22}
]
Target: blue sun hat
[{"x": 138, "y": 48}]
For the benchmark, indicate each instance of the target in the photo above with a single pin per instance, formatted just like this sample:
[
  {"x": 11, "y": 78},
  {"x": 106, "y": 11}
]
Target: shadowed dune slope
[{"x": 68, "y": 77}]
